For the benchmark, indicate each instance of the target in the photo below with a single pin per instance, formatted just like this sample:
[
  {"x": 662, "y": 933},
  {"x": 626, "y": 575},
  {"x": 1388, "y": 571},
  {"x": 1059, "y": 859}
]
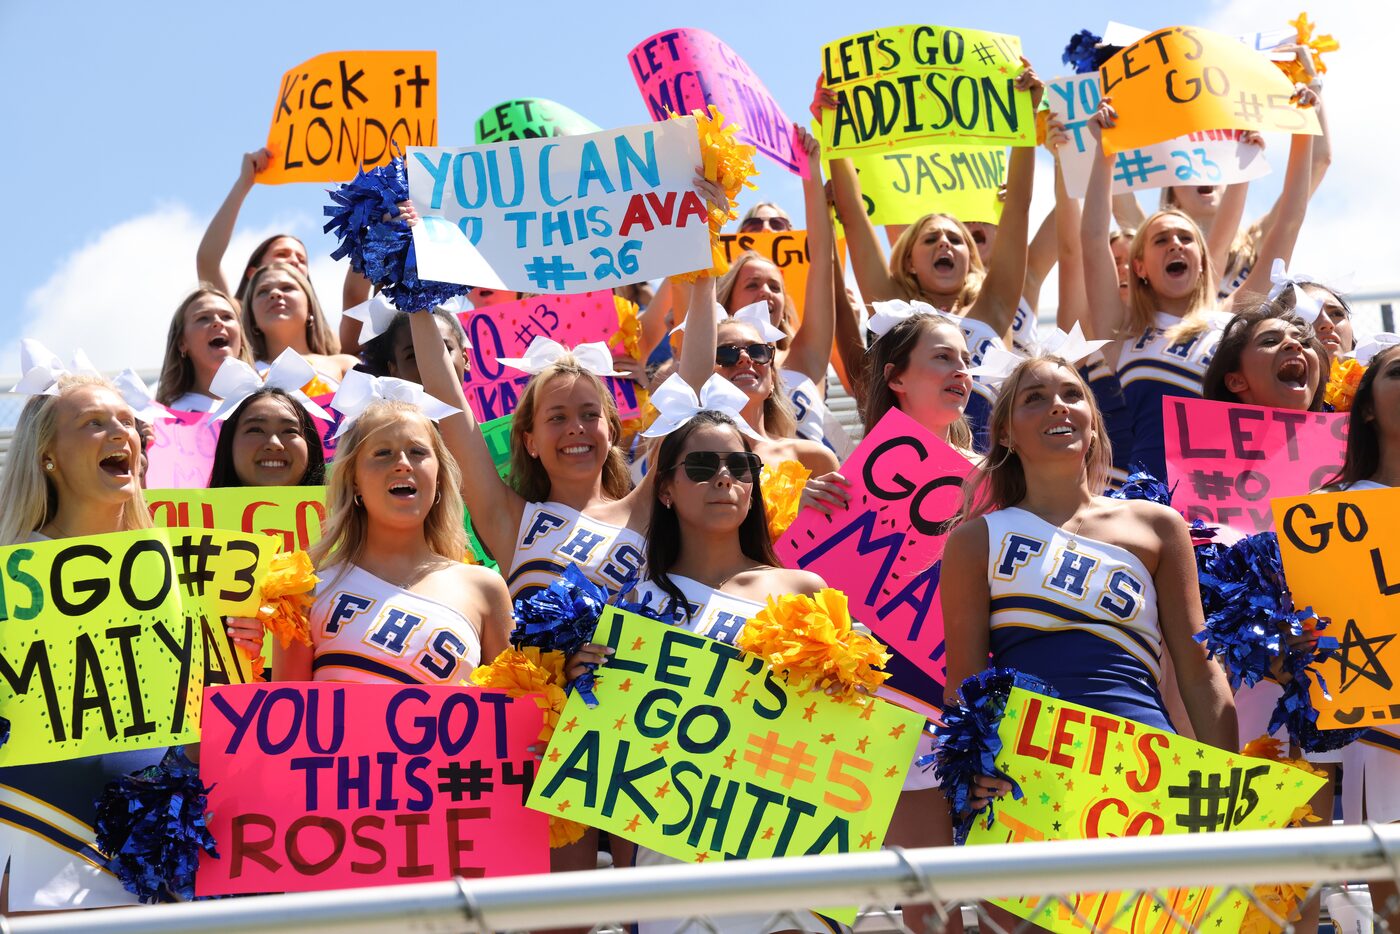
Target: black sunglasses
[
  {"x": 756, "y": 224},
  {"x": 728, "y": 354},
  {"x": 701, "y": 466}
]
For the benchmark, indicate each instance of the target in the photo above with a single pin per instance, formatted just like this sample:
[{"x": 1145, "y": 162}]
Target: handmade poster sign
[
  {"x": 1342, "y": 558},
  {"x": 493, "y": 389},
  {"x": 182, "y": 453},
  {"x": 1085, "y": 774},
  {"x": 344, "y": 111},
  {"x": 1228, "y": 460},
  {"x": 530, "y": 118},
  {"x": 1184, "y": 79},
  {"x": 333, "y": 786},
  {"x": 294, "y": 514},
  {"x": 681, "y": 70},
  {"x": 883, "y": 550},
  {"x": 786, "y": 249},
  {"x": 568, "y": 214},
  {"x": 901, "y": 187},
  {"x": 109, "y": 640},
  {"x": 1205, "y": 157},
  {"x": 699, "y": 752},
  {"x": 907, "y": 86}
]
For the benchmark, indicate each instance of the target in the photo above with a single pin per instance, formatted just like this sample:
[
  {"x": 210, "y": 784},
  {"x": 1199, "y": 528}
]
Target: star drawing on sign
[
  {"x": 632, "y": 824},
  {"x": 1354, "y": 640},
  {"x": 626, "y": 685},
  {"x": 866, "y": 839}
]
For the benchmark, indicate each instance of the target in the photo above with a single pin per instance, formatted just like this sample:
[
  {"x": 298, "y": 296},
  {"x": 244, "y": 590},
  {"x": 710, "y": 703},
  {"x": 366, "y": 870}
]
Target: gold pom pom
[
  {"x": 287, "y": 599},
  {"x": 1341, "y": 385},
  {"x": 728, "y": 162},
  {"x": 1316, "y": 46},
  {"x": 811, "y": 641},
  {"x": 782, "y": 494},
  {"x": 1282, "y": 899}
]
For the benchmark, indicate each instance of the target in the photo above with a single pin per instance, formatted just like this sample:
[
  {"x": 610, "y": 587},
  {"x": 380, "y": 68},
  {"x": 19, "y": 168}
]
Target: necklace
[{"x": 1073, "y": 536}]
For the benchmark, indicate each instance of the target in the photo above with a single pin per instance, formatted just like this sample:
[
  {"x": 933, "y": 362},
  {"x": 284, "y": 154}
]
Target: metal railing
[{"x": 781, "y": 889}]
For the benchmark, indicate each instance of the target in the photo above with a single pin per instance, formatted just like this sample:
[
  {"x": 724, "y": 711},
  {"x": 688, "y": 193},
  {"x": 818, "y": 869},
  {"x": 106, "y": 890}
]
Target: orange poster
[
  {"x": 1183, "y": 79},
  {"x": 341, "y": 111}
]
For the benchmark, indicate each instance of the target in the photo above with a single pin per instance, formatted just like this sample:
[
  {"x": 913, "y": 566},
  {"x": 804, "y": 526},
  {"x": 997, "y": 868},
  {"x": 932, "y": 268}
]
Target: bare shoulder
[
  {"x": 970, "y": 536},
  {"x": 759, "y": 583}
]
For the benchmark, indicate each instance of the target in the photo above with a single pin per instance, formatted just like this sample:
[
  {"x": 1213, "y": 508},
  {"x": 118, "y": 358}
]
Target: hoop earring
[
  {"x": 437, "y": 498},
  {"x": 358, "y": 500}
]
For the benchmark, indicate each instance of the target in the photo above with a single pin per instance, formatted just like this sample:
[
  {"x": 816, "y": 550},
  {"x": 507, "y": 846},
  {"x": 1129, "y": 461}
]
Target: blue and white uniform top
[
  {"x": 980, "y": 338},
  {"x": 712, "y": 613},
  {"x": 1077, "y": 613},
  {"x": 1152, "y": 368},
  {"x": 1025, "y": 329},
  {"x": 552, "y": 536},
  {"x": 366, "y": 630},
  {"x": 814, "y": 420}
]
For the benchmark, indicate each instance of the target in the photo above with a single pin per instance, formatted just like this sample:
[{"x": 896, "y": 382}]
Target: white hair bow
[
  {"x": 42, "y": 369},
  {"x": 595, "y": 357},
  {"x": 998, "y": 363},
  {"x": 138, "y": 395},
  {"x": 377, "y": 314},
  {"x": 676, "y": 404},
  {"x": 1367, "y": 349},
  {"x": 889, "y": 314},
  {"x": 756, "y": 314},
  {"x": 1307, "y": 307},
  {"x": 358, "y": 391},
  {"x": 236, "y": 381}
]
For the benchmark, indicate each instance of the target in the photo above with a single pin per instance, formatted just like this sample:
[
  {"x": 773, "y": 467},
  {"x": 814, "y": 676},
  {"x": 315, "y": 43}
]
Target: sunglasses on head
[
  {"x": 701, "y": 466},
  {"x": 728, "y": 354},
  {"x": 755, "y": 224}
]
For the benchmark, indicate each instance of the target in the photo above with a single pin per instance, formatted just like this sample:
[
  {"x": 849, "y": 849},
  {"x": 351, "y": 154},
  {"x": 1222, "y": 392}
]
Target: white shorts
[
  {"x": 920, "y": 777},
  {"x": 1371, "y": 777}
]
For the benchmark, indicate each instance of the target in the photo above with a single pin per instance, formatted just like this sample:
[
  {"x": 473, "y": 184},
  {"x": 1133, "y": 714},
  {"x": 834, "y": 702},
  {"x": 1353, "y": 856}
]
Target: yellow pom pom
[
  {"x": 730, "y": 163},
  {"x": 629, "y": 329},
  {"x": 1282, "y": 899},
  {"x": 287, "y": 599},
  {"x": 1316, "y": 45},
  {"x": 811, "y": 641},
  {"x": 782, "y": 494},
  {"x": 1342, "y": 384},
  {"x": 563, "y": 831},
  {"x": 317, "y": 387}
]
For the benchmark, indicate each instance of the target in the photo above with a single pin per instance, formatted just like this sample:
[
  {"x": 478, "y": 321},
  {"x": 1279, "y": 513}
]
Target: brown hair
[
  {"x": 893, "y": 350},
  {"x": 724, "y": 293},
  {"x": 527, "y": 474},
  {"x": 177, "y": 374},
  {"x": 779, "y": 417},
  {"x": 1235, "y": 340},
  {"x": 320, "y": 339},
  {"x": 908, "y": 284}
]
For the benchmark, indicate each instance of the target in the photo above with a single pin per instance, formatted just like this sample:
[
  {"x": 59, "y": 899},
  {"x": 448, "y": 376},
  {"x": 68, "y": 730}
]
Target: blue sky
[{"x": 130, "y": 145}]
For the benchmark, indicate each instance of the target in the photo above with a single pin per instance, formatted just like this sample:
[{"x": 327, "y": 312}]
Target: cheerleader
[
  {"x": 396, "y": 604},
  {"x": 266, "y": 435},
  {"x": 204, "y": 332},
  {"x": 1045, "y": 576},
  {"x": 281, "y": 313},
  {"x": 1165, "y": 339},
  {"x": 71, "y": 472}
]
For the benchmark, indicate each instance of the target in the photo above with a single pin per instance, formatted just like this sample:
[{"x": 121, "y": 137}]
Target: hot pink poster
[
  {"x": 681, "y": 70},
  {"x": 1228, "y": 460},
  {"x": 493, "y": 390},
  {"x": 182, "y": 453},
  {"x": 884, "y": 550},
  {"x": 332, "y": 786}
]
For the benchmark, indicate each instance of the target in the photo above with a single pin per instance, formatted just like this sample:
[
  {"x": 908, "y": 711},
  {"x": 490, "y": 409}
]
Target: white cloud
[{"x": 114, "y": 296}]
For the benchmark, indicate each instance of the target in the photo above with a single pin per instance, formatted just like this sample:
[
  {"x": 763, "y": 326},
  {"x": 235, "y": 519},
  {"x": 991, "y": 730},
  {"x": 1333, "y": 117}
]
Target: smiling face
[
  {"x": 939, "y": 257},
  {"x": 569, "y": 433},
  {"x": 1171, "y": 257},
  {"x": 1333, "y": 325},
  {"x": 212, "y": 334},
  {"x": 268, "y": 446},
  {"x": 758, "y": 281},
  {"x": 403, "y": 364},
  {"x": 755, "y": 379},
  {"x": 1052, "y": 416},
  {"x": 934, "y": 385},
  {"x": 716, "y": 505},
  {"x": 95, "y": 451},
  {"x": 280, "y": 307},
  {"x": 396, "y": 472},
  {"x": 984, "y": 237},
  {"x": 1278, "y": 367}
]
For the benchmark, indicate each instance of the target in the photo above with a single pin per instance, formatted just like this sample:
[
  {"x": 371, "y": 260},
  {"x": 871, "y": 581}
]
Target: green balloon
[{"x": 530, "y": 118}]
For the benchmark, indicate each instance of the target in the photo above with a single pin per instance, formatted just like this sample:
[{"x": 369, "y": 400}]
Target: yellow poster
[
  {"x": 901, "y": 187},
  {"x": 108, "y": 641},
  {"x": 1184, "y": 79},
  {"x": 1341, "y": 556},
  {"x": 1085, "y": 774},
  {"x": 343, "y": 111},
  {"x": 295, "y": 514},
  {"x": 908, "y": 86}
]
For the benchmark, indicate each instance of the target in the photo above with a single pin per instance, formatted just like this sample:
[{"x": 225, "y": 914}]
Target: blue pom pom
[
  {"x": 968, "y": 744},
  {"x": 1143, "y": 485},
  {"x": 4, "y": 730},
  {"x": 1295, "y": 710},
  {"x": 562, "y": 617},
  {"x": 152, "y": 825},
  {"x": 382, "y": 251}
]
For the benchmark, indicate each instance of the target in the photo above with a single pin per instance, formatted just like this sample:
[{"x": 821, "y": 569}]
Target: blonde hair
[
  {"x": 724, "y": 293},
  {"x": 347, "y": 523},
  {"x": 320, "y": 339},
  {"x": 908, "y": 284},
  {"x": 177, "y": 374},
  {"x": 999, "y": 481},
  {"x": 527, "y": 474},
  {"x": 779, "y": 416},
  {"x": 1143, "y": 303},
  {"x": 28, "y": 497}
]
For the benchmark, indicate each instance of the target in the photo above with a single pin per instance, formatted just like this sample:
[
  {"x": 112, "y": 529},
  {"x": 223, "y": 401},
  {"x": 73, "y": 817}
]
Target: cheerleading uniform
[
  {"x": 553, "y": 536},
  {"x": 1079, "y": 614},
  {"x": 365, "y": 630},
  {"x": 47, "y": 814},
  {"x": 1108, "y": 396},
  {"x": 814, "y": 420},
  {"x": 1151, "y": 369},
  {"x": 193, "y": 402},
  {"x": 1025, "y": 329},
  {"x": 980, "y": 338}
]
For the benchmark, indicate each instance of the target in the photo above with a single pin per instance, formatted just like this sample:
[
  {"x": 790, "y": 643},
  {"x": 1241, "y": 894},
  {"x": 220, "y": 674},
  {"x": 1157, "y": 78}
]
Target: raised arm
[
  {"x": 810, "y": 351},
  {"x": 653, "y": 319},
  {"x": 356, "y": 290},
  {"x": 1321, "y": 159},
  {"x": 1278, "y": 241},
  {"x": 1041, "y": 256},
  {"x": 495, "y": 508},
  {"x": 1127, "y": 212},
  {"x": 1069, "y": 252},
  {"x": 1001, "y": 290},
  {"x": 210, "y": 254},
  {"x": 697, "y": 361},
  {"x": 1226, "y": 226},
  {"x": 850, "y": 342},
  {"x": 1104, "y": 309}
]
